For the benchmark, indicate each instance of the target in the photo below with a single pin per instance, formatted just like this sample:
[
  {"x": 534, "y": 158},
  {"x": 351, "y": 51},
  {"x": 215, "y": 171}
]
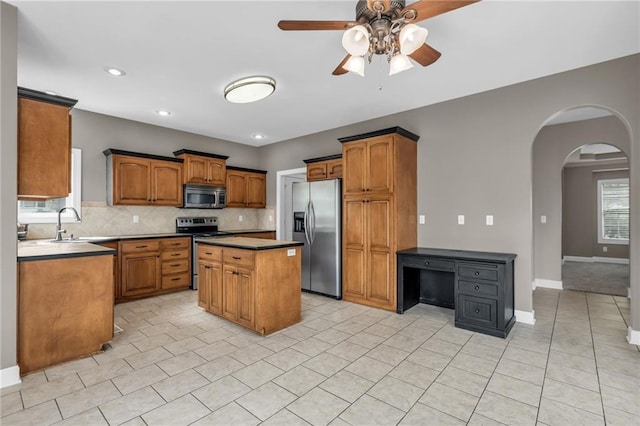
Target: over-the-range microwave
[{"x": 204, "y": 197}]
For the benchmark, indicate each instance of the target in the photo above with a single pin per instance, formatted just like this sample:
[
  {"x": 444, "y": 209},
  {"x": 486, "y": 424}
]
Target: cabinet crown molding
[
  {"x": 36, "y": 95},
  {"x": 202, "y": 154},
  {"x": 399, "y": 130},
  {"x": 243, "y": 169},
  {"x": 325, "y": 158},
  {"x": 112, "y": 151}
]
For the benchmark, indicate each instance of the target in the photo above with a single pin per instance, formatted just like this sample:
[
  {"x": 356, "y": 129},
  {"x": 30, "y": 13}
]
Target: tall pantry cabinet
[{"x": 379, "y": 213}]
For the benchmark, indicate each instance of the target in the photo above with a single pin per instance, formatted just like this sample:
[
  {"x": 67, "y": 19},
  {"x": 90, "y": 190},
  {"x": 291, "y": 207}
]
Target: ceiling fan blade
[
  {"x": 339, "y": 70},
  {"x": 315, "y": 25},
  {"x": 425, "y": 55},
  {"x": 427, "y": 9}
]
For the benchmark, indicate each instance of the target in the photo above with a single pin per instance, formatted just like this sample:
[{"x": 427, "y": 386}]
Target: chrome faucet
[{"x": 59, "y": 230}]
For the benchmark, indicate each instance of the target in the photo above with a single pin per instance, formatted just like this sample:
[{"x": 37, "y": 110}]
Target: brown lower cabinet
[
  {"x": 259, "y": 290},
  {"x": 269, "y": 235}
]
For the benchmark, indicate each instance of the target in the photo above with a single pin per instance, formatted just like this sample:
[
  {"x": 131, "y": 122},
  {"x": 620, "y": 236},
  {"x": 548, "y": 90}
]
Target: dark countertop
[
  {"x": 459, "y": 254},
  {"x": 248, "y": 243},
  {"x": 247, "y": 231},
  {"x": 46, "y": 250}
]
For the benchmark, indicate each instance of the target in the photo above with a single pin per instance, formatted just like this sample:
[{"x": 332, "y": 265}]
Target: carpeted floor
[{"x": 604, "y": 278}]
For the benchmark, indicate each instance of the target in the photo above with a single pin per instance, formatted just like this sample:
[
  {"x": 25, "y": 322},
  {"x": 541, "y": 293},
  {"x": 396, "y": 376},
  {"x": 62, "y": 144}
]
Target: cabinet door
[
  {"x": 236, "y": 189},
  {"x": 217, "y": 171},
  {"x": 354, "y": 241},
  {"x": 140, "y": 274},
  {"x": 245, "y": 297},
  {"x": 381, "y": 256},
  {"x": 204, "y": 284},
  {"x": 230, "y": 292},
  {"x": 380, "y": 165},
  {"x": 166, "y": 183},
  {"x": 354, "y": 158},
  {"x": 44, "y": 150},
  {"x": 196, "y": 169},
  {"x": 215, "y": 289},
  {"x": 316, "y": 171},
  {"x": 131, "y": 181},
  {"x": 334, "y": 169},
  {"x": 256, "y": 190}
]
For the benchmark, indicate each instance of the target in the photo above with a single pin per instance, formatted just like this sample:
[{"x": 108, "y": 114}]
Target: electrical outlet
[
  {"x": 136, "y": 218},
  {"x": 240, "y": 218},
  {"x": 291, "y": 252},
  {"x": 604, "y": 249},
  {"x": 460, "y": 219},
  {"x": 421, "y": 219},
  {"x": 270, "y": 218},
  {"x": 489, "y": 220},
  {"x": 543, "y": 219}
]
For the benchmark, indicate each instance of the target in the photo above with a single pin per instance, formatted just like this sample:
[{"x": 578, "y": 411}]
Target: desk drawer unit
[
  {"x": 484, "y": 272},
  {"x": 477, "y": 310},
  {"x": 478, "y": 289},
  {"x": 431, "y": 263}
]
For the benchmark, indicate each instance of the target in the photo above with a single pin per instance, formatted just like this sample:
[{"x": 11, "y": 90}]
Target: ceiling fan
[{"x": 384, "y": 27}]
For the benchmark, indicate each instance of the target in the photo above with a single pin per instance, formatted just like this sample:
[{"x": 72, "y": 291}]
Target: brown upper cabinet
[
  {"x": 323, "y": 168},
  {"x": 369, "y": 166},
  {"x": 203, "y": 168},
  {"x": 44, "y": 145},
  {"x": 246, "y": 188},
  {"x": 136, "y": 179}
]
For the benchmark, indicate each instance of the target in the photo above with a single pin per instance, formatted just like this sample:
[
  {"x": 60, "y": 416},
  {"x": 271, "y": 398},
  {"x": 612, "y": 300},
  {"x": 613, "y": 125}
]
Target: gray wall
[
  {"x": 475, "y": 157},
  {"x": 8, "y": 182},
  {"x": 580, "y": 211},
  {"x": 552, "y": 146},
  {"x": 94, "y": 133}
]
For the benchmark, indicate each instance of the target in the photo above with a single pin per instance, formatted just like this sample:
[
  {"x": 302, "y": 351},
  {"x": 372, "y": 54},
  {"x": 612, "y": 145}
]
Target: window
[
  {"x": 47, "y": 211},
  {"x": 613, "y": 211}
]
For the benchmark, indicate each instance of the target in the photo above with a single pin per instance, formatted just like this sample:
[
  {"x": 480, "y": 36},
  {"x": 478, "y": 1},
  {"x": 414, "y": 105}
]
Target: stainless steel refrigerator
[{"x": 317, "y": 223}]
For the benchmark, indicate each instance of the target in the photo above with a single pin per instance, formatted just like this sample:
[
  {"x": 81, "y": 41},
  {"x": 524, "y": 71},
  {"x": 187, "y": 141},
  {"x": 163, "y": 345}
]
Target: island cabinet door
[
  {"x": 230, "y": 292},
  {"x": 245, "y": 298},
  {"x": 204, "y": 285},
  {"x": 215, "y": 288},
  {"x": 140, "y": 274}
]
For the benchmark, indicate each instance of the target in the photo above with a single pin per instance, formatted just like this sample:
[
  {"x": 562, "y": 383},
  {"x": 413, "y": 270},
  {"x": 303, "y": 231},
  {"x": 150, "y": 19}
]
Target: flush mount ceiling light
[
  {"x": 249, "y": 89},
  {"x": 163, "y": 113},
  {"x": 114, "y": 71},
  {"x": 384, "y": 27},
  {"x": 258, "y": 136}
]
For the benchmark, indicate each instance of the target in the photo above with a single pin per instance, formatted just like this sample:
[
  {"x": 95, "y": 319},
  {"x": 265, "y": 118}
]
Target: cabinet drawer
[
  {"x": 471, "y": 271},
  {"x": 238, "y": 257},
  {"x": 139, "y": 246},
  {"x": 206, "y": 252},
  {"x": 477, "y": 310},
  {"x": 175, "y": 281},
  {"x": 175, "y": 254},
  {"x": 477, "y": 289},
  {"x": 429, "y": 263},
  {"x": 174, "y": 266},
  {"x": 175, "y": 243}
]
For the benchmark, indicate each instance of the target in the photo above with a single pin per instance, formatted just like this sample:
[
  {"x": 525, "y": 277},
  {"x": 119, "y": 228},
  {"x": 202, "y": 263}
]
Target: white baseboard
[
  {"x": 633, "y": 336},
  {"x": 540, "y": 282},
  {"x": 525, "y": 317},
  {"x": 10, "y": 376},
  {"x": 598, "y": 259},
  {"x": 628, "y": 292}
]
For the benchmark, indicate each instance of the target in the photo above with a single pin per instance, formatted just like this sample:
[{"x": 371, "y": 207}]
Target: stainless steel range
[{"x": 198, "y": 227}]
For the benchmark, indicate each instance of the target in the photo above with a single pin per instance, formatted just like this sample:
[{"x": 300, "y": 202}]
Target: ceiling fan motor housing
[{"x": 366, "y": 14}]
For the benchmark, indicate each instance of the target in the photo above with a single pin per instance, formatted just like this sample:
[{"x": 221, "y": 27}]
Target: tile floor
[{"x": 346, "y": 364}]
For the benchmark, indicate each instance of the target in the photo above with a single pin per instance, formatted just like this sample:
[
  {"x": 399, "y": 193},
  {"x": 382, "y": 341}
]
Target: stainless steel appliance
[
  {"x": 204, "y": 197},
  {"x": 317, "y": 223},
  {"x": 198, "y": 227}
]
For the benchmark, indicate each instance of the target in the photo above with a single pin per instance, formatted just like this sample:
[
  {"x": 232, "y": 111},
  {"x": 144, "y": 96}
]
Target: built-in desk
[{"x": 478, "y": 285}]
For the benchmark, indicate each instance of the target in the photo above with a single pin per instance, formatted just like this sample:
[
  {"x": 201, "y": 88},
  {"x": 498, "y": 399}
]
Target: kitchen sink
[{"x": 82, "y": 240}]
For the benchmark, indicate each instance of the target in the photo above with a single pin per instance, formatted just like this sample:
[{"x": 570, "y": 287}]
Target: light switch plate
[
  {"x": 421, "y": 219},
  {"x": 136, "y": 218},
  {"x": 489, "y": 220},
  {"x": 543, "y": 219},
  {"x": 291, "y": 252},
  {"x": 240, "y": 218},
  {"x": 460, "y": 219}
]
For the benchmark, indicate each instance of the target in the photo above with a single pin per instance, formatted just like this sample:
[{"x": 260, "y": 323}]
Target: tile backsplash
[{"x": 98, "y": 219}]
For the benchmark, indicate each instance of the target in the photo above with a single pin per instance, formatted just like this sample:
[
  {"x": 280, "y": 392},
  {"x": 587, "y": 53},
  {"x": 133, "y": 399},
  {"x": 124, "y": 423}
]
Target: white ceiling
[{"x": 179, "y": 56}]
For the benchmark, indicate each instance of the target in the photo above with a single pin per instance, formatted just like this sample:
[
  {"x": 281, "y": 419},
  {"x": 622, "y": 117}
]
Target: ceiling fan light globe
[
  {"x": 355, "y": 64},
  {"x": 399, "y": 63},
  {"x": 412, "y": 37},
  {"x": 356, "y": 40}
]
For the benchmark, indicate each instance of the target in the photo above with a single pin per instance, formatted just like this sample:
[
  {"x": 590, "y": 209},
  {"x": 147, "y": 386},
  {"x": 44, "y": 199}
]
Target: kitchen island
[
  {"x": 251, "y": 281},
  {"x": 65, "y": 302}
]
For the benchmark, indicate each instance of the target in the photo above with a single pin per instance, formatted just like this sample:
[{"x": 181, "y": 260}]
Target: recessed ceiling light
[
  {"x": 115, "y": 71},
  {"x": 258, "y": 136},
  {"x": 50, "y": 92},
  {"x": 163, "y": 113},
  {"x": 249, "y": 89}
]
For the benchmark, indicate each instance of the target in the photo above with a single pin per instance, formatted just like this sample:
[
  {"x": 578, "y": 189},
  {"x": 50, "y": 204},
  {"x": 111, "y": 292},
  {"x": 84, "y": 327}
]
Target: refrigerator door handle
[
  {"x": 313, "y": 221},
  {"x": 306, "y": 224}
]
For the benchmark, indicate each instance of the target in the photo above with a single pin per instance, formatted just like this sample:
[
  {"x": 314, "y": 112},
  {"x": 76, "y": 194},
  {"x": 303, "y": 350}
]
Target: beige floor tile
[
  {"x": 516, "y": 389},
  {"x": 41, "y": 415},
  {"x": 556, "y": 413},
  {"x": 481, "y": 366},
  {"x": 453, "y": 335},
  {"x": 326, "y": 364},
  {"x": 287, "y": 359},
  {"x": 176, "y": 386},
  {"x": 299, "y": 332},
  {"x": 153, "y": 330},
  {"x": 299, "y": 380},
  {"x": 484, "y": 339},
  {"x": 214, "y": 335},
  {"x": 184, "y": 345},
  {"x": 573, "y": 348},
  {"x": 450, "y": 401},
  {"x": 405, "y": 342},
  {"x": 180, "y": 363},
  {"x": 219, "y": 367},
  {"x": 482, "y": 351},
  {"x": 284, "y": 418},
  {"x": 71, "y": 367},
  {"x": 92, "y": 417},
  {"x": 185, "y": 332},
  {"x": 347, "y": 386},
  {"x": 266, "y": 400},
  {"x": 365, "y": 339},
  {"x": 182, "y": 411},
  {"x": 104, "y": 372},
  {"x": 388, "y": 354},
  {"x": 414, "y": 374},
  {"x": 526, "y": 357},
  {"x": 615, "y": 417},
  {"x": 216, "y": 350},
  {"x": 572, "y": 395},
  {"x": 10, "y": 403},
  {"x": 251, "y": 354},
  {"x": 429, "y": 359},
  {"x": 618, "y": 381},
  {"x": 518, "y": 370},
  {"x": 311, "y": 346},
  {"x": 573, "y": 377},
  {"x": 562, "y": 359},
  {"x": 257, "y": 374},
  {"x": 332, "y": 336},
  {"x": 147, "y": 358},
  {"x": 347, "y": 350},
  {"x": 129, "y": 406},
  {"x": 506, "y": 410},
  {"x": 396, "y": 393},
  {"x": 230, "y": 414},
  {"x": 318, "y": 407},
  {"x": 220, "y": 393},
  {"x": 422, "y": 414},
  {"x": 479, "y": 420},
  {"x": 152, "y": 342},
  {"x": 530, "y": 345},
  {"x": 37, "y": 394},
  {"x": 85, "y": 399},
  {"x": 138, "y": 379},
  {"x": 630, "y": 368},
  {"x": 617, "y": 352},
  {"x": 277, "y": 342},
  {"x": 319, "y": 324},
  {"x": 118, "y": 352},
  {"x": 370, "y": 411},
  {"x": 628, "y": 401},
  {"x": 441, "y": 346},
  {"x": 350, "y": 327},
  {"x": 463, "y": 380},
  {"x": 369, "y": 368}
]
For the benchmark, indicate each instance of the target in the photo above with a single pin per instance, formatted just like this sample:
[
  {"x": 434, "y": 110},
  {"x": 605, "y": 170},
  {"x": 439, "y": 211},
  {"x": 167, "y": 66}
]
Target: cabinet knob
[
  {"x": 477, "y": 287},
  {"x": 476, "y": 273},
  {"x": 476, "y": 310},
  {"x": 426, "y": 263}
]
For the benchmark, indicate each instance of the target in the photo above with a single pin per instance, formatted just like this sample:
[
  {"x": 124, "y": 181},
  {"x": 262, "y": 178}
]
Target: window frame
[
  {"x": 73, "y": 200},
  {"x": 601, "y": 238}
]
